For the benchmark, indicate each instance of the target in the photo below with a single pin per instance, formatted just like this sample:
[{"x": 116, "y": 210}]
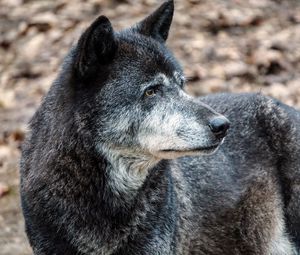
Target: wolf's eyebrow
[
  {"x": 164, "y": 78},
  {"x": 179, "y": 78},
  {"x": 159, "y": 78}
]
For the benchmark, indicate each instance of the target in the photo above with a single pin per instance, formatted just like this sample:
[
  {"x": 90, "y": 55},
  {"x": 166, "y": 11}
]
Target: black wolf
[{"x": 120, "y": 160}]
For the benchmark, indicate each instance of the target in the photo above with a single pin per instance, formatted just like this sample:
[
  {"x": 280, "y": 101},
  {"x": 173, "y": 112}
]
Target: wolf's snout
[{"x": 219, "y": 126}]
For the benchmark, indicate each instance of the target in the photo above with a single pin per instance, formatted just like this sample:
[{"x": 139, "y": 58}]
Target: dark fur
[{"x": 231, "y": 202}]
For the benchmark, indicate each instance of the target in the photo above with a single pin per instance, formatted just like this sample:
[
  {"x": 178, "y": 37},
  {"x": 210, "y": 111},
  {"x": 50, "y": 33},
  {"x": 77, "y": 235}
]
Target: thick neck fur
[
  {"x": 117, "y": 179},
  {"x": 127, "y": 172},
  {"x": 94, "y": 187}
]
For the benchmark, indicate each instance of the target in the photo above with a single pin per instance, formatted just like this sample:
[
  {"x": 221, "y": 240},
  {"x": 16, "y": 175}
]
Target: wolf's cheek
[
  {"x": 158, "y": 142},
  {"x": 159, "y": 131}
]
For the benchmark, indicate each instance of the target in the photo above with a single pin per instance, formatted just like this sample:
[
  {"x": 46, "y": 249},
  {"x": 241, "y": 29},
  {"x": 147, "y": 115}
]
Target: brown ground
[{"x": 225, "y": 45}]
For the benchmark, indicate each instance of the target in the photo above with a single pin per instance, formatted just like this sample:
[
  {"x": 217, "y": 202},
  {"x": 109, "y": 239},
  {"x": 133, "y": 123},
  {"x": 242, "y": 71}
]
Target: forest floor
[{"x": 223, "y": 45}]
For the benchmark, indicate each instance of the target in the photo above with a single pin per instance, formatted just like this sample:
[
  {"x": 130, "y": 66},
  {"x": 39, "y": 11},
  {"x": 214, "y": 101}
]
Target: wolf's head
[{"x": 129, "y": 92}]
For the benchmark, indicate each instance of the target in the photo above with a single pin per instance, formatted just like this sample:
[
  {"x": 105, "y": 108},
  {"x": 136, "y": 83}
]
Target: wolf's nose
[{"x": 219, "y": 126}]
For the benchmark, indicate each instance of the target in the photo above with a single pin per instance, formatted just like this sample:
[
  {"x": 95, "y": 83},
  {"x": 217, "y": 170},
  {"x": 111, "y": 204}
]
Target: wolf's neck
[{"x": 127, "y": 173}]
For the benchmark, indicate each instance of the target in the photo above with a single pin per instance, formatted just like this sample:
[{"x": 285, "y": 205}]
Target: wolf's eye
[{"x": 150, "y": 92}]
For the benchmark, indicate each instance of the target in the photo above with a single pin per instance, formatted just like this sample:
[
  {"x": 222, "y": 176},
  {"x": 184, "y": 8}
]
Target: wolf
[{"x": 120, "y": 160}]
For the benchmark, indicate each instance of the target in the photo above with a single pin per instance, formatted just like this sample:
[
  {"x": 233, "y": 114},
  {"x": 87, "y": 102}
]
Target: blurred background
[{"x": 223, "y": 45}]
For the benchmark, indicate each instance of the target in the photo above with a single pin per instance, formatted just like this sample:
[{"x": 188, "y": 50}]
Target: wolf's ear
[
  {"x": 157, "y": 25},
  {"x": 95, "y": 47}
]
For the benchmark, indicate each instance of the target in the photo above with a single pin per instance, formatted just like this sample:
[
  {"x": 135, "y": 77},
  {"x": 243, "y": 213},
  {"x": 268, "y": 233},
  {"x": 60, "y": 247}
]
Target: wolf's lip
[{"x": 210, "y": 148}]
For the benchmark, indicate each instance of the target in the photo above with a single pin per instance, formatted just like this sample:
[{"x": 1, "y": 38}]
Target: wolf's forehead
[
  {"x": 149, "y": 58},
  {"x": 146, "y": 49}
]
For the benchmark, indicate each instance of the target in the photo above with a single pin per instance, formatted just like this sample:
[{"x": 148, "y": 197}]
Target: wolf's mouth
[{"x": 197, "y": 149}]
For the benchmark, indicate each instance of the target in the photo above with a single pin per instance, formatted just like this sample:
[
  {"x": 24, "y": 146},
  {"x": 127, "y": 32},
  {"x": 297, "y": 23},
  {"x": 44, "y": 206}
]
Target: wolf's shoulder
[{"x": 238, "y": 101}]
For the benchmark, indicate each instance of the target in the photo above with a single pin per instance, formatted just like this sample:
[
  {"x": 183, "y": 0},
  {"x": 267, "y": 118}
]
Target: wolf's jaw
[
  {"x": 196, "y": 151},
  {"x": 172, "y": 154},
  {"x": 203, "y": 150}
]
